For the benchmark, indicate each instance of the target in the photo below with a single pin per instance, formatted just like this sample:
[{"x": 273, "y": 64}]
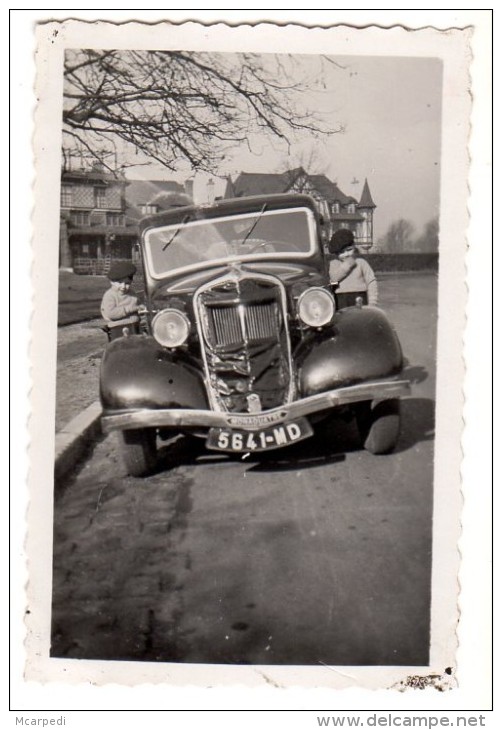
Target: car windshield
[{"x": 265, "y": 234}]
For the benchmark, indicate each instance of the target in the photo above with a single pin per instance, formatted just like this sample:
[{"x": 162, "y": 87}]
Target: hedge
[
  {"x": 388, "y": 262},
  {"x": 382, "y": 262}
]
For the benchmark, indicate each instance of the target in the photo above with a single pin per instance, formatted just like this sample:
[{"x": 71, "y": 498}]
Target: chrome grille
[
  {"x": 242, "y": 322},
  {"x": 260, "y": 322},
  {"x": 224, "y": 325}
]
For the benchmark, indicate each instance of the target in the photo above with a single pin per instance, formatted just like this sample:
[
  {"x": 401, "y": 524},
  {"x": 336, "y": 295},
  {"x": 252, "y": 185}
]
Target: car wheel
[
  {"x": 139, "y": 450},
  {"x": 379, "y": 425}
]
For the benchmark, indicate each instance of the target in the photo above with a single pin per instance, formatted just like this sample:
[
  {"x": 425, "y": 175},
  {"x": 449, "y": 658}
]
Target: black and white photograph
[
  {"x": 262, "y": 492},
  {"x": 251, "y": 450}
]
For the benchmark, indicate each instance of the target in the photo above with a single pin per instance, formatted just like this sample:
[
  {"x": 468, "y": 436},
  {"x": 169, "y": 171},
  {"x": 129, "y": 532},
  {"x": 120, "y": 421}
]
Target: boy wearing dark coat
[{"x": 120, "y": 305}]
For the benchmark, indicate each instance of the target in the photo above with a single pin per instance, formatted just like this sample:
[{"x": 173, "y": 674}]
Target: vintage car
[{"x": 245, "y": 346}]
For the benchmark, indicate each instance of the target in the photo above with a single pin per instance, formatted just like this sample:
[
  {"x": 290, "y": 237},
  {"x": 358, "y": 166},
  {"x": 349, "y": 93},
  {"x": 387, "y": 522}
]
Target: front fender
[
  {"x": 137, "y": 373},
  {"x": 361, "y": 345}
]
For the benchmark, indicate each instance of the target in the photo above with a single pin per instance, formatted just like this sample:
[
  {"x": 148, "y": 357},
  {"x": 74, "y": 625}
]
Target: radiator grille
[
  {"x": 224, "y": 325},
  {"x": 262, "y": 321},
  {"x": 233, "y": 325},
  {"x": 246, "y": 350}
]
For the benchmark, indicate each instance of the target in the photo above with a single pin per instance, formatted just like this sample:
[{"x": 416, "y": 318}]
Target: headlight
[
  {"x": 170, "y": 327},
  {"x": 316, "y": 307}
]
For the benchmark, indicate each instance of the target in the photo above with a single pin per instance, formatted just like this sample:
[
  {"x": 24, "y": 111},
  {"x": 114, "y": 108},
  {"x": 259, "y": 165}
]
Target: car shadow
[
  {"x": 337, "y": 437},
  {"x": 192, "y": 452},
  {"x": 304, "y": 458},
  {"x": 179, "y": 450},
  {"x": 333, "y": 439},
  {"x": 417, "y": 422},
  {"x": 415, "y": 374}
]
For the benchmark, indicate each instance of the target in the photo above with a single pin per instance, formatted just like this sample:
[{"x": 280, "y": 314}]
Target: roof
[
  {"x": 259, "y": 183},
  {"x": 330, "y": 190},
  {"x": 264, "y": 183},
  {"x": 366, "y": 199},
  {"x": 142, "y": 192},
  {"x": 342, "y": 198},
  {"x": 94, "y": 175},
  {"x": 324, "y": 185},
  {"x": 132, "y": 213}
]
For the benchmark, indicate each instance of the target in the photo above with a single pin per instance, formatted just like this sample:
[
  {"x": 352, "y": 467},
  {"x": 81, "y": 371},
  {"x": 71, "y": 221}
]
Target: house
[
  {"x": 100, "y": 213},
  {"x": 94, "y": 224},
  {"x": 337, "y": 209},
  {"x": 145, "y": 197}
]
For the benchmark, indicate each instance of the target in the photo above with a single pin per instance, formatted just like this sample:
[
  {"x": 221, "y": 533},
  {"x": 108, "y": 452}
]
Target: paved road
[{"x": 318, "y": 554}]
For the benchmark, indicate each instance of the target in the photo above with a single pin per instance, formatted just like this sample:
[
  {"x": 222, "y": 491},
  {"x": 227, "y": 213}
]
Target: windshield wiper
[
  {"x": 168, "y": 243},
  {"x": 254, "y": 224}
]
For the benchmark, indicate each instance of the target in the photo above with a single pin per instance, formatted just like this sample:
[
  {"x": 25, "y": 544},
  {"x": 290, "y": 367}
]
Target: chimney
[{"x": 189, "y": 187}]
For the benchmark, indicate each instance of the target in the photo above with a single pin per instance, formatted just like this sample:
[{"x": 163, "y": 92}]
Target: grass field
[{"x": 80, "y": 296}]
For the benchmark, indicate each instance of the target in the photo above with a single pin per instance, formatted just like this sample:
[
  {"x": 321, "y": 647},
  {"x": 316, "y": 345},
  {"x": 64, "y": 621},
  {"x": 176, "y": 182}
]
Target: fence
[
  {"x": 96, "y": 266},
  {"x": 84, "y": 265},
  {"x": 380, "y": 262}
]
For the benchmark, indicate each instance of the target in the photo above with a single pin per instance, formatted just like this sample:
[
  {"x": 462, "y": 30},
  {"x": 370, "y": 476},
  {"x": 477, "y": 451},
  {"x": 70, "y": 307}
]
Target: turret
[{"x": 366, "y": 207}]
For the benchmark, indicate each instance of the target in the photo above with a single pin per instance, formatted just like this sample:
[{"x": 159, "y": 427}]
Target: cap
[
  {"x": 121, "y": 270},
  {"x": 341, "y": 240}
]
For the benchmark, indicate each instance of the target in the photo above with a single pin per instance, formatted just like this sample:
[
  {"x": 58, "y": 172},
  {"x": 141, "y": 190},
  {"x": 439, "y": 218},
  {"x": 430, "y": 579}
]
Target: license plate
[{"x": 236, "y": 440}]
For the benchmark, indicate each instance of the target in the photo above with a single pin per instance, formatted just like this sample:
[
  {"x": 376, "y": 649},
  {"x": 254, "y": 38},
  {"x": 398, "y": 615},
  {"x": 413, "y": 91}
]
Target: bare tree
[
  {"x": 173, "y": 106},
  {"x": 428, "y": 242},
  {"x": 311, "y": 159},
  {"x": 399, "y": 237}
]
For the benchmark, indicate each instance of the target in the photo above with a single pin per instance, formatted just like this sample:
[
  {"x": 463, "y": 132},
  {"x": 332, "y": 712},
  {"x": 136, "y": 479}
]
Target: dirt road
[{"x": 316, "y": 554}]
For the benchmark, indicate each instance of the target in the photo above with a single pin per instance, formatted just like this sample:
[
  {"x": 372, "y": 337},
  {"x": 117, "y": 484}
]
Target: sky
[{"x": 390, "y": 108}]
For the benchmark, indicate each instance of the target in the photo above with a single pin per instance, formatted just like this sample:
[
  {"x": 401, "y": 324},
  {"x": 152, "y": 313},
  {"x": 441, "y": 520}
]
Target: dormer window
[
  {"x": 149, "y": 209},
  {"x": 351, "y": 208},
  {"x": 336, "y": 207}
]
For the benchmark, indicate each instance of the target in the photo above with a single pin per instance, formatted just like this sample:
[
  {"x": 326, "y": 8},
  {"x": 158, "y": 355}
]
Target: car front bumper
[{"x": 191, "y": 418}]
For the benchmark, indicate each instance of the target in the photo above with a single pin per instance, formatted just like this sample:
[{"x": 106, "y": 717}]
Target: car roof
[{"x": 228, "y": 206}]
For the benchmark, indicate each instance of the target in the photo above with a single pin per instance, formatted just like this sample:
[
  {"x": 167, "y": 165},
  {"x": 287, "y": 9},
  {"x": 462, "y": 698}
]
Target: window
[
  {"x": 288, "y": 233},
  {"x": 80, "y": 218},
  {"x": 352, "y": 208},
  {"x": 100, "y": 197},
  {"x": 148, "y": 209},
  {"x": 115, "y": 219},
  {"x": 66, "y": 196},
  {"x": 336, "y": 207}
]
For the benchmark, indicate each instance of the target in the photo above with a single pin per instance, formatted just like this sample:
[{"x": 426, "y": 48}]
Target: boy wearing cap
[
  {"x": 353, "y": 277},
  {"x": 120, "y": 305}
]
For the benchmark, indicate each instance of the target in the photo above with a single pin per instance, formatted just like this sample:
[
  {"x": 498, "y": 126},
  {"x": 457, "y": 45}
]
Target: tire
[
  {"x": 139, "y": 451},
  {"x": 379, "y": 425}
]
